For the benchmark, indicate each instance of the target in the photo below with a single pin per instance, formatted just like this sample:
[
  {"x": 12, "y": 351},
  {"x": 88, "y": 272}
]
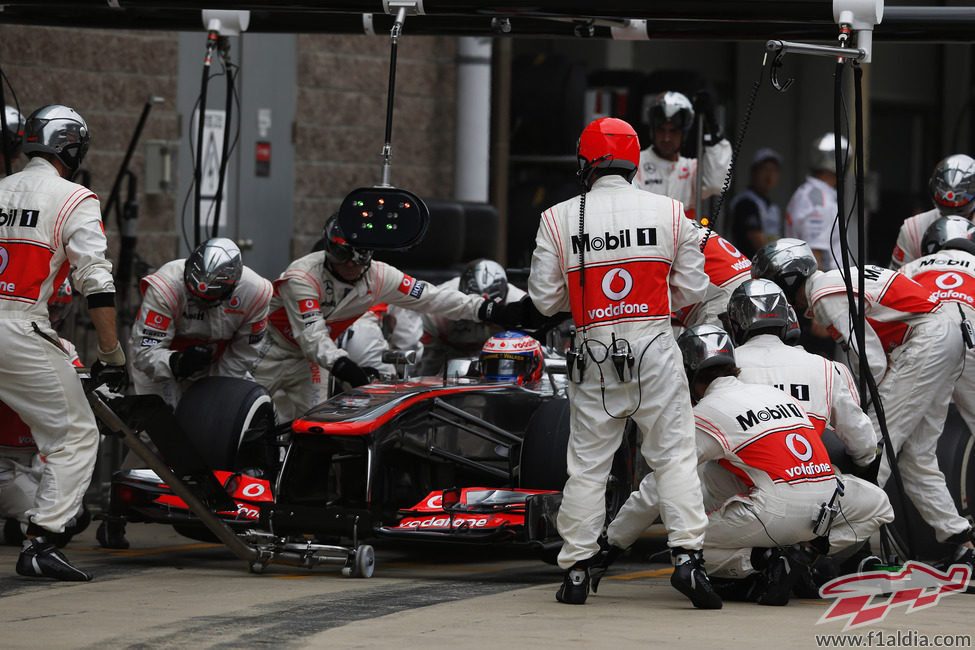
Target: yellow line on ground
[{"x": 655, "y": 573}]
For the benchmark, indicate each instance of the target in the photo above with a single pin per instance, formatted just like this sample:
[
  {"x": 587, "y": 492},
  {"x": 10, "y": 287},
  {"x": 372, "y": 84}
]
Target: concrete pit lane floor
[{"x": 167, "y": 591}]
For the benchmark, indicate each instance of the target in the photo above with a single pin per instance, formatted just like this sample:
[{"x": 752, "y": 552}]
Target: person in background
[
  {"x": 663, "y": 170},
  {"x": 754, "y": 219}
]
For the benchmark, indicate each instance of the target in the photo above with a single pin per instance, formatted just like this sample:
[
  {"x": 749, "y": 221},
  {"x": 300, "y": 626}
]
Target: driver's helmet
[
  {"x": 484, "y": 278},
  {"x": 212, "y": 270},
  {"x": 59, "y": 306},
  {"x": 512, "y": 356},
  {"x": 14, "y": 134}
]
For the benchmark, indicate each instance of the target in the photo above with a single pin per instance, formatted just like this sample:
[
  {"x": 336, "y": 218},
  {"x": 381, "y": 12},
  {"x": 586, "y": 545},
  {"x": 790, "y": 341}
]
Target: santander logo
[{"x": 617, "y": 284}]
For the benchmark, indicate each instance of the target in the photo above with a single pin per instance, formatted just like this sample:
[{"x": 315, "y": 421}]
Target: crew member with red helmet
[
  {"x": 202, "y": 316},
  {"x": 621, "y": 259},
  {"x": 952, "y": 188},
  {"x": 317, "y": 298},
  {"x": 663, "y": 170},
  {"x": 915, "y": 353},
  {"x": 51, "y": 225}
]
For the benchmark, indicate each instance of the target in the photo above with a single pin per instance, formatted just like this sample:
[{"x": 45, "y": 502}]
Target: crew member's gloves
[
  {"x": 704, "y": 106},
  {"x": 869, "y": 471},
  {"x": 110, "y": 370},
  {"x": 347, "y": 370},
  {"x": 505, "y": 315},
  {"x": 190, "y": 361}
]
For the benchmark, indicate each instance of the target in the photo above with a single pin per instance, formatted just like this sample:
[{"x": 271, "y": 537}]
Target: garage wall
[
  {"x": 106, "y": 75},
  {"x": 342, "y": 83}
]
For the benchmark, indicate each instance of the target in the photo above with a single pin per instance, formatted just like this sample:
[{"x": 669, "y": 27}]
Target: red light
[
  {"x": 365, "y": 214},
  {"x": 406, "y": 205},
  {"x": 381, "y": 201}
]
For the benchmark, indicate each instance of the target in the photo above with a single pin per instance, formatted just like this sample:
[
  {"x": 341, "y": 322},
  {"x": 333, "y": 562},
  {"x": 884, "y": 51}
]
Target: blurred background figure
[{"x": 753, "y": 219}]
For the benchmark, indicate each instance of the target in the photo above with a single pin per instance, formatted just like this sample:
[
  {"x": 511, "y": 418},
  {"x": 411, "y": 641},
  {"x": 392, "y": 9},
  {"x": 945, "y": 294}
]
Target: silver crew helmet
[
  {"x": 949, "y": 232},
  {"x": 952, "y": 185},
  {"x": 787, "y": 262},
  {"x": 670, "y": 106},
  {"x": 57, "y": 130},
  {"x": 704, "y": 346},
  {"x": 14, "y": 135},
  {"x": 213, "y": 270},
  {"x": 484, "y": 278},
  {"x": 757, "y": 305},
  {"x": 822, "y": 154}
]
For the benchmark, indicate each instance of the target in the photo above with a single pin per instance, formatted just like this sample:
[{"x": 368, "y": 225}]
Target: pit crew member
[
  {"x": 51, "y": 225},
  {"x": 727, "y": 268},
  {"x": 320, "y": 295},
  {"x": 621, "y": 297},
  {"x": 811, "y": 212},
  {"x": 915, "y": 353},
  {"x": 663, "y": 170},
  {"x": 444, "y": 338},
  {"x": 202, "y": 316},
  {"x": 952, "y": 189}
]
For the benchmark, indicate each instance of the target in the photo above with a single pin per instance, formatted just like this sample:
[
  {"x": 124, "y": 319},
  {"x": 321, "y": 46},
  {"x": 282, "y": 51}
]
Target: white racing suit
[
  {"x": 908, "y": 246},
  {"x": 445, "y": 338},
  {"x": 726, "y": 268},
  {"x": 763, "y": 436},
  {"x": 642, "y": 261},
  {"x": 21, "y": 466},
  {"x": 811, "y": 215},
  {"x": 950, "y": 277},
  {"x": 48, "y": 225},
  {"x": 312, "y": 307},
  {"x": 383, "y": 327},
  {"x": 170, "y": 321},
  {"x": 924, "y": 345},
  {"x": 678, "y": 179}
]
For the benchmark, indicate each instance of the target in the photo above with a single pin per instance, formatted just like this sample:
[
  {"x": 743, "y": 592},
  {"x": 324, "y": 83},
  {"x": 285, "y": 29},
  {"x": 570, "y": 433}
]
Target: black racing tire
[
  {"x": 481, "y": 229},
  {"x": 543, "y": 449},
  {"x": 222, "y": 416}
]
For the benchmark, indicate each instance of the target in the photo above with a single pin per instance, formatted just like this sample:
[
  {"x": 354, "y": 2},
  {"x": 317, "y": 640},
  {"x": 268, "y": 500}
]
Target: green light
[
  {"x": 389, "y": 226},
  {"x": 367, "y": 226},
  {"x": 359, "y": 204}
]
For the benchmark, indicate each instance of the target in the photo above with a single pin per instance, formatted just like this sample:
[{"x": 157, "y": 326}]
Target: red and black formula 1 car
[{"x": 461, "y": 460}]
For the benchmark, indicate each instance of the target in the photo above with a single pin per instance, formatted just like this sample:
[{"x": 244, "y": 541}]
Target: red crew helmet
[{"x": 608, "y": 143}]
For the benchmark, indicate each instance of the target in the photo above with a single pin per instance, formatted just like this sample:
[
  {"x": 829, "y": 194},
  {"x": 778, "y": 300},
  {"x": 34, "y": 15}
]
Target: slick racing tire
[{"x": 223, "y": 414}]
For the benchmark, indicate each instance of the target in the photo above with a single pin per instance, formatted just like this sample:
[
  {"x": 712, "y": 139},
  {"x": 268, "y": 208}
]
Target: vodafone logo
[
  {"x": 728, "y": 247},
  {"x": 235, "y": 302},
  {"x": 617, "y": 284},
  {"x": 944, "y": 281},
  {"x": 799, "y": 446},
  {"x": 4, "y": 259},
  {"x": 435, "y": 501},
  {"x": 253, "y": 490}
]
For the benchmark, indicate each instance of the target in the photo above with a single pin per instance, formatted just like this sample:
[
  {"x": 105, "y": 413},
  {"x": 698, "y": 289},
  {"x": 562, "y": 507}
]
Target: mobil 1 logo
[
  {"x": 23, "y": 218},
  {"x": 616, "y": 240}
]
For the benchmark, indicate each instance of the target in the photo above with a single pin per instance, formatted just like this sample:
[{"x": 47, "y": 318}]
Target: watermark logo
[{"x": 865, "y": 598}]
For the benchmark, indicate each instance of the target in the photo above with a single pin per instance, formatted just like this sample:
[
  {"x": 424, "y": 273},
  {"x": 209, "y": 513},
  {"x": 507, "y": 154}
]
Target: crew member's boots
[
  {"x": 111, "y": 533},
  {"x": 690, "y": 578},
  {"x": 40, "y": 558},
  {"x": 575, "y": 585}
]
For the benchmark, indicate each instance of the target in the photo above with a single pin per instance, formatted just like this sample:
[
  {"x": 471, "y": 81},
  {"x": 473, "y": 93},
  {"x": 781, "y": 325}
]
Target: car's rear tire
[{"x": 223, "y": 416}]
